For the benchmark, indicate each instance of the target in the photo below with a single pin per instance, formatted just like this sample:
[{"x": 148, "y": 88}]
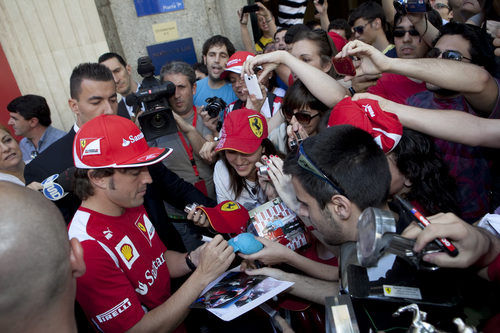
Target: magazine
[
  {"x": 275, "y": 221},
  {"x": 234, "y": 293}
]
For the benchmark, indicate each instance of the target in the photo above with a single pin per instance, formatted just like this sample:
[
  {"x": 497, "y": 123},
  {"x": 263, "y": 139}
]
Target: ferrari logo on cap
[
  {"x": 256, "y": 125},
  {"x": 230, "y": 206},
  {"x": 90, "y": 146}
]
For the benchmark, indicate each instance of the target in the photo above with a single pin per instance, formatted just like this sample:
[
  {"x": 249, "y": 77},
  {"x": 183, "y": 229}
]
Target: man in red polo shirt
[{"x": 127, "y": 283}]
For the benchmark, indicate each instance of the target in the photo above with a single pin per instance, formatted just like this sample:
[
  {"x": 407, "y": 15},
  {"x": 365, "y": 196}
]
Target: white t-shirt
[{"x": 247, "y": 198}]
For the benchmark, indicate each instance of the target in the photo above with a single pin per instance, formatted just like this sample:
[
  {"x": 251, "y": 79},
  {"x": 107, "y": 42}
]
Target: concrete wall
[{"x": 129, "y": 34}]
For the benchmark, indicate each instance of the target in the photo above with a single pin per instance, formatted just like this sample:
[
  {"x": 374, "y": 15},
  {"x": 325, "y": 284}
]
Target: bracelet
[
  {"x": 352, "y": 91},
  {"x": 189, "y": 263}
]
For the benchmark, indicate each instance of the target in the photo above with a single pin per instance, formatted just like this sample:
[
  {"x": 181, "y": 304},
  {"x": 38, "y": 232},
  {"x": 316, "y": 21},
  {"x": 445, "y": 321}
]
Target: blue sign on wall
[
  {"x": 150, "y": 7},
  {"x": 182, "y": 49}
]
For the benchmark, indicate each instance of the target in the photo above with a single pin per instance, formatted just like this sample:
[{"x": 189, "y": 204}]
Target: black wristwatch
[
  {"x": 189, "y": 263},
  {"x": 352, "y": 91}
]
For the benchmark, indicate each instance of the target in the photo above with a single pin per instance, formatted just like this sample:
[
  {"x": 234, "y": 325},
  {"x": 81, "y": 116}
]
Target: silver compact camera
[{"x": 190, "y": 207}]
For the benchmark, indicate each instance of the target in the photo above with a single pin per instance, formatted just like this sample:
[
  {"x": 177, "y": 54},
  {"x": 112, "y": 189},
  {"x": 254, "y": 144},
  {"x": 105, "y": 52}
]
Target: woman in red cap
[{"x": 243, "y": 142}]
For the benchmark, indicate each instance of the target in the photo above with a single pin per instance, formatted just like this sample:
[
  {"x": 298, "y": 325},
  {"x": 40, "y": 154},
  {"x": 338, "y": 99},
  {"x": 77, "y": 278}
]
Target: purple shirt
[{"x": 468, "y": 165}]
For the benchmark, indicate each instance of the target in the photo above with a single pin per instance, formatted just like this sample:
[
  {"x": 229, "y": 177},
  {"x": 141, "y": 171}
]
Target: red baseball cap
[
  {"x": 367, "y": 115},
  {"x": 235, "y": 62},
  {"x": 110, "y": 141},
  {"x": 243, "y": 130},
  {"x": 227, "y": 217}
]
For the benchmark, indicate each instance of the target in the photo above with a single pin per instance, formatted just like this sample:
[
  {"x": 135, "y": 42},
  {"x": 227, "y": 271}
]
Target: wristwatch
[{"x": 189, "y": 263}]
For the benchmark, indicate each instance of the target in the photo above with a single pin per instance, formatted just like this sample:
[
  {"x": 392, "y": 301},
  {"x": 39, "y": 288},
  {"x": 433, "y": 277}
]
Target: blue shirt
[
  {"x": 29, "y": 150},
  {"x": 203, "y": 91}
]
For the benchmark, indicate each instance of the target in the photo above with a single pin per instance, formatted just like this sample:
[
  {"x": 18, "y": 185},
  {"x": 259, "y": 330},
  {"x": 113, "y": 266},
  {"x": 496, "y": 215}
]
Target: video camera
[
  {"x": 157, "y": 119},
  {"x": 411, "y": 6}
]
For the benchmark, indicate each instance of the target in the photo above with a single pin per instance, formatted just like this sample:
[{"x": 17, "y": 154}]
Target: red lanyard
[{"x": 188, "y": 148}]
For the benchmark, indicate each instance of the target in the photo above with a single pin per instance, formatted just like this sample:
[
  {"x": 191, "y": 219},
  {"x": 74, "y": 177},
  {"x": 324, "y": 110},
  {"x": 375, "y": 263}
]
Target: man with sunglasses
[
  {"x": 457, "y": 85},
  {"x": 409, "y": 45},
  {"x": 368, "y": 25}
]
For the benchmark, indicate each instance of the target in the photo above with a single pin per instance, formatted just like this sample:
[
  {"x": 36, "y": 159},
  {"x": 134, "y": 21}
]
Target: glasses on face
[
  {"x": 447, "y": 54},
  {"x": 360, "y": 28},
  {"x": 305, "y": 163},
  {"x": 301, "y": 116},
  {"x": 398, "y": 33}
]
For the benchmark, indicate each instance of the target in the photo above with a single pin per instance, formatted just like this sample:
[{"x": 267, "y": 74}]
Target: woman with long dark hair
[{"x": 243, "y": 142}]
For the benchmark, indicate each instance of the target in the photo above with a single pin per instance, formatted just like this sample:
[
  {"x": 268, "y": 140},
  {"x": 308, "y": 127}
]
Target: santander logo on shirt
[{"x": 150, "y": 275}]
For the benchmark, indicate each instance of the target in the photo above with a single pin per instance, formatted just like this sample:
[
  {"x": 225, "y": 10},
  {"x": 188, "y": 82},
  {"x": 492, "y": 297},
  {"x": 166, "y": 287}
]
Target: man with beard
[
  {"x": 461, "y": 82},
  {"x": 216, "y": 52}
]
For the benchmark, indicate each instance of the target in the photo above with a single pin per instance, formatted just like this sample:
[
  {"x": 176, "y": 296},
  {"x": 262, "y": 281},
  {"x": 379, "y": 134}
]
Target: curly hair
[{"x": 432, "y": 186}]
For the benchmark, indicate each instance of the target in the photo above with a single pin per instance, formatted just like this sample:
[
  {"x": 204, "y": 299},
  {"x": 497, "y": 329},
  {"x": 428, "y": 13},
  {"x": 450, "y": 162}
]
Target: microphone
[{"x": 56, "y": 191}]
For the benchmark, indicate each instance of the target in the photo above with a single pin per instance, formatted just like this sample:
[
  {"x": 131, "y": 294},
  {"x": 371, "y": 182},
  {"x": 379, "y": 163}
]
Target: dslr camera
[
  {"x": 157, "y": 119},
  {"x": 215, "y": 105},
  {"x": 411, "y": 6}
]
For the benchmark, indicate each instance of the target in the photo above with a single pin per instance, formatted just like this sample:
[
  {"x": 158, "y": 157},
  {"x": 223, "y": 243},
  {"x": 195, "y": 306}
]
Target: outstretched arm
[
  {"x": 443, "y": 124},
  {"x": 311, "y": 289},
  {"x": 474, "y": 82},
  {"x": 321, "y": 85}
]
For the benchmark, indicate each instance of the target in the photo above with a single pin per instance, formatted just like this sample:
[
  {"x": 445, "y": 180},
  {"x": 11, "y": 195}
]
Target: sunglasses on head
[
  {"x": 303, "y": 118},
  {"x": 305, "y": 163},
  {"x": 360, "y": 28},
  {"x": 441, "y": 5},
  {"x": 447, "y": 54},
  {"x": 398, "y": 33}
]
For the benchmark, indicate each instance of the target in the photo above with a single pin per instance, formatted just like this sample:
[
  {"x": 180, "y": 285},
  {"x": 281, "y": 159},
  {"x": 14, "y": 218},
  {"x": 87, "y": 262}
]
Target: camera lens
[{"x": 158, "y": 120}]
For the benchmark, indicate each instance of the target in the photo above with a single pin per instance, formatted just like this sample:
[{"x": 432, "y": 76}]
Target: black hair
[
  {"x": 201, "y": 67},
  {"x": 297, "y": 96},
  {"x": 481, "y": 43},
  {"x": 293, "y": 30},
  {"x": 341, "y": 24},
  {"x": 237, "y": 182},
  {"x": 279, "y": 30},
  {"x": 350, "y": 158},
  {"x": 89, "y": 71},
  {"x": 82, "y": 186},
  {"x": 31, "y": 106},
  {"x": 432, "y": 186},
  {"x": 110, "y": 55},
  {"x": 369, "y": 11},
  {"x": 218, "y": 40},
  {"x": 432, "y": 15}
]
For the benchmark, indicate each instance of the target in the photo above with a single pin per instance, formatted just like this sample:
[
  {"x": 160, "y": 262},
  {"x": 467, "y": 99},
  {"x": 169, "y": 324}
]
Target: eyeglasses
[
  {"x": 305, "y": 163},
  {"x": 303, "y": 118},
  {"x": 447, "y": 54},
  {"x": 398, "y": 33},
  {"x": 360, "y": 28}
]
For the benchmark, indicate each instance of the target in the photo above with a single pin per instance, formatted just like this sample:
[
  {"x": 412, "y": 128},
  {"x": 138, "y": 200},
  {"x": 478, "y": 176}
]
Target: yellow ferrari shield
[
  {"x": 83, "y": 143},
  {"x": 230, "y": 206},
  {"x": 256, "y": 125}
]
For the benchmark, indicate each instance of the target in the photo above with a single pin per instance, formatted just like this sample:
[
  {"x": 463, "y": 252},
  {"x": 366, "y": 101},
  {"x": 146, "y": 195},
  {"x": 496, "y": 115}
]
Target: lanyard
[{"x": 188, "y": 148}]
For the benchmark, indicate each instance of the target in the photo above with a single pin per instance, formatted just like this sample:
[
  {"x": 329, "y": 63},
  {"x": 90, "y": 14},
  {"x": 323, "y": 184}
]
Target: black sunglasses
[
  {"x": 360, "y": 28},
  {"x": 447, "y": 54},
  {"x": 401, "y": 33},
  {"x": 307, "y": 164},
  {"x": 303, "y": 118}
]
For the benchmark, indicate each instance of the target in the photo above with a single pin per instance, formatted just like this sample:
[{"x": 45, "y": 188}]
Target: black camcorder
[
  {"x": 157, "y": 119},
  {"x": 411, "y": 6}
]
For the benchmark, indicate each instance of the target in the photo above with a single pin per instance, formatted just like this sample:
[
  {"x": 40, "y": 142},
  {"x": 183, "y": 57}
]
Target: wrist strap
[
  {"x": 189, "y": 263},
  {"x": 352, "y": 91}
]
